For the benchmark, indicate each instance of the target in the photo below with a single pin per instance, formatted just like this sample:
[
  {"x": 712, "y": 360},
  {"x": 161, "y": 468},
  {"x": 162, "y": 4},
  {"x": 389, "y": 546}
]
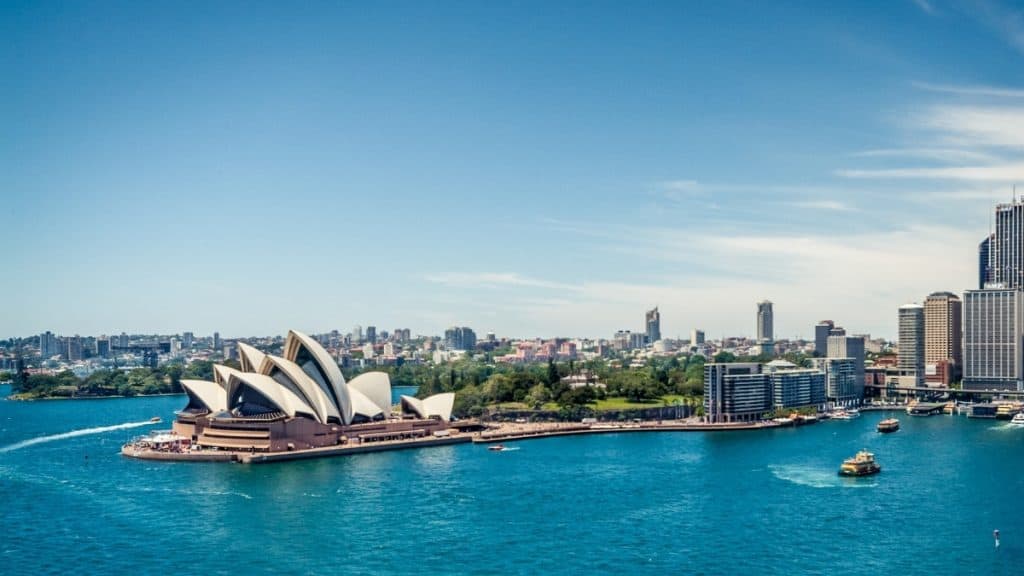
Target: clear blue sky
[{"x": 528, "y": 168}]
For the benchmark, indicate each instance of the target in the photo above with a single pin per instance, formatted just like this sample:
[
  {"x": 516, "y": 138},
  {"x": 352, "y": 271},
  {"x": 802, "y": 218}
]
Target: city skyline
[{"x": 511, "y": 179}]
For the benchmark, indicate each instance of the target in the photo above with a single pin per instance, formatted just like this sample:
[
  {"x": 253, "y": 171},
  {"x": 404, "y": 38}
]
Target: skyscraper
[
  {"x": 652, "y": 322},
  {"x": 460, "y": 338},
  {"x": 103, "y": 347},
  {"x": 48, "y": 346},
  {"x": 73, "y": 348},
  {"x": 943, "y": 312},
  {"x": 821, "y": 333},
  {"x": 371, "y": 334},
  {"x": 696, "y": 337},
  {"x": 1006, "y": 251},
  {"x": 216, "y": 342},
  {"x": 993, "y": 336},
  {"x": 984, "y": 266},
  {"x": 911, "y": 355},
  {"x": 765, "y": 322}
]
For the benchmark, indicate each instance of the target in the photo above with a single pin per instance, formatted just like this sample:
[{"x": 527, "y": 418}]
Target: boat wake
[
  {"x": 815, "y": 477},
  {"x": 72, "y": 434}
]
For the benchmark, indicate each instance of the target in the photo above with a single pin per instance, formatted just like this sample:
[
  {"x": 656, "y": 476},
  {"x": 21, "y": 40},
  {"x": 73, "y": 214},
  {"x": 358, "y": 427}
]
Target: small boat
[
  {"x": 1018, "y": 419},
  {"x": 863, "y": 464},
  {"x": 888, "y": 425},
  {"x": 1007, "y": 411},
  {"x": 496, "y": 448},
  {"x": 155, "y": 420},
  {"x": 845, "y": 414}
]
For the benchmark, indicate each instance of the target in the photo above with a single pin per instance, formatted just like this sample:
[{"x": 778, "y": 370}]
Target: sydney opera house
[{"x": 300, "y": 400}]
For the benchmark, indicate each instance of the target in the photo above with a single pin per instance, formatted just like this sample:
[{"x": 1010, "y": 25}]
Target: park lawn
[
  {"x": 621, "y": 403},
  {"x": 611, "y": 403}
]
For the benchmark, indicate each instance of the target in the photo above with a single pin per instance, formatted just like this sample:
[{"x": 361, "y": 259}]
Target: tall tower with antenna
[{"x": 1006, "y": 246}]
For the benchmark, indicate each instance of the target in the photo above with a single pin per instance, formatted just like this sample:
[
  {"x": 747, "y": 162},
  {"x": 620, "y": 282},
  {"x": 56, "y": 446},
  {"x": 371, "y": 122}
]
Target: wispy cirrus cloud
[
  {"x": 925, "y": 6},
  {"x": 973, "y": 127},
  {"x": 494, "y": 280},
  {"x": 1006, "y": 21},
  {"x": 971, "y": 90},
  {"x": 994, "y": 173},
  {"x": 681, "y": 185},
  {"x": 948, "y": 155},
  {"x": 976, "y": 144},
  {"x": 834, "y": 205}
]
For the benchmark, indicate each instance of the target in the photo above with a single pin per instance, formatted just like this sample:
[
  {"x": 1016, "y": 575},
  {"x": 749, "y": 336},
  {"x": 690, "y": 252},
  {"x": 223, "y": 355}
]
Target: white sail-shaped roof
[
  {"x": 439, "y": 405},
  {"x": 363, "y": 406},
  {"x": 222, "y": 373},
  {"x": 282, "y": 398},
  {"x": 250, "y": 358},
  {"x": 376, "y": 386},
  {"x": 319, "y": 365},
  {"x": 412, "y": 405},
  {"x": 209, "y": 394},
  {"x": 312, "y": 393}
]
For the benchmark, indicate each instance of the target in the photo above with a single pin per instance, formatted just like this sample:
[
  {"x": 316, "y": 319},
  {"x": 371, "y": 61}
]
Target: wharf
[
  {"x": 883, "y": 408},
  {"x": 514, "y": 432},
  {"x": 925, "y": 408}
]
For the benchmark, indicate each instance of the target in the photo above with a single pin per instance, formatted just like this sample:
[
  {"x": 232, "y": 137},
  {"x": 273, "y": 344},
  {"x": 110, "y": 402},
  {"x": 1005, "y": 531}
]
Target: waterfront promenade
[{"x": 508, "y": 432}]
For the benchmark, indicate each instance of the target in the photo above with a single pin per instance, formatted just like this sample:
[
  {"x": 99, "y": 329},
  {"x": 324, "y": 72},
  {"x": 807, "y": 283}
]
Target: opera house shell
[{"x": 300, "y": 400}]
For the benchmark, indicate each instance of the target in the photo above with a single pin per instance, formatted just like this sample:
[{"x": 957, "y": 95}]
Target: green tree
[
  {"x": 552, "y": 373},
  {"x": 725, "y": 357},
  {"x": 575, "y": 397},
  {"x": 537, "y": 396},
  {"x": 199, "y": 370}
]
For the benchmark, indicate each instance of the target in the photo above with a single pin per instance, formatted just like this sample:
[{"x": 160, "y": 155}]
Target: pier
[
  {"x": 514, "y": 432},
  {"x": 926, "y": 408}
]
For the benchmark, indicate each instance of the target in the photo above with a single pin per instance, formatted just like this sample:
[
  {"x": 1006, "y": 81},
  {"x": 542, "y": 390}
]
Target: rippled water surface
[{"x": 767, "y": 502}]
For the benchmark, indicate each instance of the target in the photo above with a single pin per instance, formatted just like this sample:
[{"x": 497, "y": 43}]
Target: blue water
[{"x": 721, "y": 503}]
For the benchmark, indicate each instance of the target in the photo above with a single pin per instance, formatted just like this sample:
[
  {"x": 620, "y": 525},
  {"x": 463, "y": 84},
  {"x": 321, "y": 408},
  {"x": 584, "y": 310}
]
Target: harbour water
[{"x": 766, "y": 502}]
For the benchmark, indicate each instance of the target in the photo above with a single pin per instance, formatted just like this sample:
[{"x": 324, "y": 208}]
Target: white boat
[
  {"x": 1018, "y": 419},
  {"x": 845, "y": 414}
]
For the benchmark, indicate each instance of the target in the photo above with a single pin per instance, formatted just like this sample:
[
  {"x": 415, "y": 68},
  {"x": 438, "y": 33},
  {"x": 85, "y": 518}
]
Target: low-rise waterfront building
[
  {"x": 736, "y": 392},
  {"x": 794, "y": 387},
  {"x": 841, "y": 384}
]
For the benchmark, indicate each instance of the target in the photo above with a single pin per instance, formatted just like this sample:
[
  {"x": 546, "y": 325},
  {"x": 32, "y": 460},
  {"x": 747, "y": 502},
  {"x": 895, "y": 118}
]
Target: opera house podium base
[{"x": 194, "y": 454}]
